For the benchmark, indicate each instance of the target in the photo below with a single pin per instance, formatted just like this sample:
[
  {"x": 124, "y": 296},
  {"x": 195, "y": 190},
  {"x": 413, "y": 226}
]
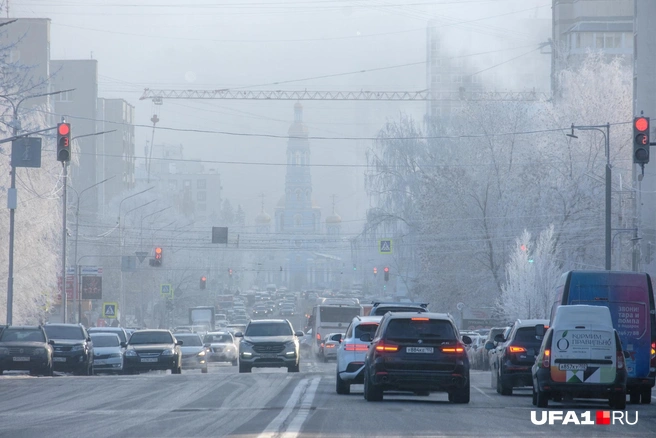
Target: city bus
[{"x": 331, "y": 318}]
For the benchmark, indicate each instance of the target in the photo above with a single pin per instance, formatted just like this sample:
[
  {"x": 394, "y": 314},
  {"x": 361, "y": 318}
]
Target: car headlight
[
  {"x": 77, "y": 348},
  {"x": 202, "y": 353},
  {"x": 131, "y": 353},
  {"x": 246, "y": 354},
  {"x": 115, "y": 355},
  {"x": 168, "y": 352},
  {"x": 4, "y": 350}
]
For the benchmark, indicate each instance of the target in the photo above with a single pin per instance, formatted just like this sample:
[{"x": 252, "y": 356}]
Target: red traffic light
[
  {"x": 203, "y": 278},
  {"x": 375, "y": 270},
  {"x": 386, "y": 269},
  {"x": 641, "y": 124},
  {"x": 63, "y": 129}
]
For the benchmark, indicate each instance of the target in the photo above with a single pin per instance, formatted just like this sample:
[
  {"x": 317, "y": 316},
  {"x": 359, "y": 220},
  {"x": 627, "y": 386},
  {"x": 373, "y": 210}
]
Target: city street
[{"x": 270, "y": 403}]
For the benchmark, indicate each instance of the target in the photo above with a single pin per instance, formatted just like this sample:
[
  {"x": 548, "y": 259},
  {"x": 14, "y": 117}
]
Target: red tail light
[
  {"x": 513, "y": 349},
  {"x": 318, "y": 336},
  {"x": 653, "y": 350},
  {"x": 457, "y": 349},
  {"x": 356, "y": 347},
  {"x": 330, "y": 345},
  {"x": 388, "y": 348},
  {"x": 620, "y": 359},
  {"x": 546, "y": 359}
]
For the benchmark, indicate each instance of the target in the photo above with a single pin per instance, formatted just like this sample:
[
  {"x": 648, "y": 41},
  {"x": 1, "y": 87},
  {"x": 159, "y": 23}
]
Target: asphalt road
[{"x": 271, "y": 403}]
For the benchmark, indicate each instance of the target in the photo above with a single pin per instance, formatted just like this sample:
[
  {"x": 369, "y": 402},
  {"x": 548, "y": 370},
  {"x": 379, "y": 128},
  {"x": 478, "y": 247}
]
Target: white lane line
[
  {"x": 273, "y": 428},
  {"x": 294, "y": 428},
  {"x": 481, "y": 391}
]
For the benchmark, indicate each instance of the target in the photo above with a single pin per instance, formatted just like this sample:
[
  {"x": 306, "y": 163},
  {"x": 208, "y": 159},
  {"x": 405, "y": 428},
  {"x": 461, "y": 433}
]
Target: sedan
[
  {"x": 221, "y": 347},
  {"x": 153, "y": 350},
  {"x": 194, "y": 354},
  {"x": 107, "y": 353}
]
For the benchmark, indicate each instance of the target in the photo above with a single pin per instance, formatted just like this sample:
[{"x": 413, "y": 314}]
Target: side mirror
[
  {"x": 489, "y": 346},
  {"x": 466, "y": 340},
  {"x": 238, "y": 335},
  {"x": 207, "y": 345},
  {"x": 89, "y": 339},
  {"x": 179, "y": 343},
  {"x": 124, "y": 344},
  {"x": 299, "y": 333},
  {"x": 499, "y": 338},
  {"x": 366, "y": 337},
  {"x": 51, "y": 342},
  {"x": 539, "y": 330}
]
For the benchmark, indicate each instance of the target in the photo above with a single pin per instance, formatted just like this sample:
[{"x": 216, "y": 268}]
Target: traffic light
[
  {"x": 157, "y": 261},
  {"x": 355, "y": 268},
  {"x": 375, "y": 271},
  {"x": 64, "y": 142},
  {"x": 641, "y": 140},
  {"x": 203, "y": 282},
  {"x": 386, "y": 273},
  {"x": 230, "y": 272}
]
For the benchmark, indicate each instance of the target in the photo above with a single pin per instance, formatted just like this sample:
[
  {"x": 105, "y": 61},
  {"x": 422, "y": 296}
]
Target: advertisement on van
[{"x": 583, "y": 356}]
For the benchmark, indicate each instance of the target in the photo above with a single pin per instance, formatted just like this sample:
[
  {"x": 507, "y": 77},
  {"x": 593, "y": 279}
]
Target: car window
[
  {"x": 18, "y": 335},
  {"x": 104, "y": 340},
  {"x": 189, "y": 341},
  {"x": 269, "y": 329},
  {"x": 361, "y": 329},
  {"x": 420, "y": 329},
  {"x": 151, "y": 338},
  {"x": 220, "y": 339},
  {"x": 526, "y": 336},
  {"x": 64, "y": 332},
  {"x": 120, "y": 333}
]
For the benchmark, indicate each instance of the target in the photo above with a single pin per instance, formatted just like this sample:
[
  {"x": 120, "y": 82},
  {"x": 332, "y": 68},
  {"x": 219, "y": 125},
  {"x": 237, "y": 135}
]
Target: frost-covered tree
[
  {"x": 227, "y": 213},
  {"x": 240, "y": 216}
]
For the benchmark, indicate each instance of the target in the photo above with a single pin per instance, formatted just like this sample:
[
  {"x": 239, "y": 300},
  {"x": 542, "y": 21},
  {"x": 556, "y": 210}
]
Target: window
[
  {"x": 66, "y": 96},
  {"x": 298, "y": 221},
  {"x": 187, "y": 183},
  {"x": 298, "y": 194},
  {"x": 201, "y": 184},
  {"x": 201, "y": 196},
  {"x": 628, "y": 40},
  {"x": 420, "y": 329},
  {"x": 457, "y": 79},
  {"x": 363, "y": 328}
]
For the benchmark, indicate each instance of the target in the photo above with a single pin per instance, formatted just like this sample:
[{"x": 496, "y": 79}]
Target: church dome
[
  {"x": 298, "y": 128},
  {"x": 334, "y": 219},
  {"x": 262, "y": 218}
]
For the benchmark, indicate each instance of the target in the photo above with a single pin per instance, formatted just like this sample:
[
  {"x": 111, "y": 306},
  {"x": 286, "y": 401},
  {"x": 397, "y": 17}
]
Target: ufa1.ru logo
[{"x": 587, "y": 418}]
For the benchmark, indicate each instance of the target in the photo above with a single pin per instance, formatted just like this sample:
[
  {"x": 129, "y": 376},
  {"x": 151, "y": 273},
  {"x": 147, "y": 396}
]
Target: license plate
[
  {"x": 149, "y": 359},
  {"x": 21, "y": 359},
  {"x": 572, "y": 367},
  {"x": 419, "y": 350},
  {"x": 59, "y": 359},
  {"x": 268, "y": 355},
  {"x": 99, "y": 362}
]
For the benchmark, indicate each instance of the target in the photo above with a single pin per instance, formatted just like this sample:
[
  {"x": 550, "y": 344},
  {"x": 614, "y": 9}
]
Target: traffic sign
[
  {"x": 460, "y": 306},
  {"x": 141, "y": 255},
  {"x": 166, "y": 289},
  {"x": 385, "y": 246},
  {"x": 110, "y": 310}
]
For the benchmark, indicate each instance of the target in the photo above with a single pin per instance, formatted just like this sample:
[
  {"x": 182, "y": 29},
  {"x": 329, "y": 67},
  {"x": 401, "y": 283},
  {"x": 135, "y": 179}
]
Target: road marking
[
  {"x": 273, "y": 429},
  {"x": 481, "y": 391},
  {"x": 294, "y": 428}
]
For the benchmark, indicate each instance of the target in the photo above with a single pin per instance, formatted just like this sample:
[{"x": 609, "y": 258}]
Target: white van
[{"x": 581, "y": 356}]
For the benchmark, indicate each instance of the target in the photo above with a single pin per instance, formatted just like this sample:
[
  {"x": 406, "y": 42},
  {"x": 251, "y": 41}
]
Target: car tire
[
  {"x": 204, "y": 370},
  {"x": 534, "y": 399},
  {"x": 372, "y": 392},
  {"x": 542, "y": 399},
  {"x": 342, "y": 386},
  {"x": 634, "y": 396},
  {"x": 461, "y": 396},
  {"x": 617, "y": 401},
  {"x": 645, "y": 396},
  {"x": 294, "y": 368},
  {"x": 235, "y": 362},
  {"x": 244, "y": 368},
  {"x": 505, "y": 389},
  {"x": 177, "y": 370}
]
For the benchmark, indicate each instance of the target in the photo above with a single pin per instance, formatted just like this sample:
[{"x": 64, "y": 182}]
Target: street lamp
[
  {"x": 12, "y": 205},
  {"x": 606, "y": 134}
]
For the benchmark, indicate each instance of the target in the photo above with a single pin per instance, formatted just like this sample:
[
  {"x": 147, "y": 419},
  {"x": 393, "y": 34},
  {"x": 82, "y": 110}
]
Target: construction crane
[{"x": 158, "y": 96}]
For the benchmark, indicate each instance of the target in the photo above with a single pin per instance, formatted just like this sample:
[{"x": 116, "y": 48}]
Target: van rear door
[{"x": 582, "y": 355}]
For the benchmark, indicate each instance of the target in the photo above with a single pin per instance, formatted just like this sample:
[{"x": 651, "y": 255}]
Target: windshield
[
  {"x": 526, "y": 337},
  {"x": 218, "y": 339},
  {"x": 105, "y": 340},
  {"x": 338, "y": 314},
  {"x": 151, "y": 338},
  {"x": 420, "y": 329},
  {"x": 120, "y": 333},
  {"x": 21, "y": 335},
  {"x": 269, "y": 329},
  {"x": 189, "y": 341},
  {"x": 361, "y": 329},
  {"x": 64, "y": 332}
]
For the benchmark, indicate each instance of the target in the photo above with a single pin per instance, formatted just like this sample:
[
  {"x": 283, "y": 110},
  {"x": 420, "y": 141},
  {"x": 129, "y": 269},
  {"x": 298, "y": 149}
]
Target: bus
[{"x": 331, "y": 318}]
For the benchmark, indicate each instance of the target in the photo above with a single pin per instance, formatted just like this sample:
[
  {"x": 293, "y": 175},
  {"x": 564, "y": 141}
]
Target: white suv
[{"x": 351, "y": 352}]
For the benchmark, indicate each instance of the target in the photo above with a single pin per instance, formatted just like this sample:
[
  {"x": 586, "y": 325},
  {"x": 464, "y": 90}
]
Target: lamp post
[
  {"x": 606, "y": 134},
  {"x": 12, "y": 202}
]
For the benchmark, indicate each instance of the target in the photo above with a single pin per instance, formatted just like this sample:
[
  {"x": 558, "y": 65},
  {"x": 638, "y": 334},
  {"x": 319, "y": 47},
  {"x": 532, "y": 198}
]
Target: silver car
[
  {"x": 194, "y": 354},
  {"x": 108, "y": 353},
  {"x": 221, "y": 347}
]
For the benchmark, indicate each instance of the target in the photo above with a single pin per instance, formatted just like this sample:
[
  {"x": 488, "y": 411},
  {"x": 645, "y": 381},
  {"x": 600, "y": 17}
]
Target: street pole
[{"x": 64, "y": 294}]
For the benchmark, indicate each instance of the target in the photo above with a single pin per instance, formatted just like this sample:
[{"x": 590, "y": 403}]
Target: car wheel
[
  {"x": 535, "y": 397},
  {"x": 294, "y": 369},
  {"x": 645, "y": 396},
  {"x": 204, "y": 370},
  {"x": 634, "y": 396},
  {"x": 244, "y": 368},
  {"x": 542, "y": 399},
  {"x": 461, "y": 396},
  {"x": 505, "y": 389},
  {"x": 617, "y": 401},
  {"x": 234, "y": 363},
  {"x": 176, "y": 370},
  {"x": 372, "y": 392},
  {"x": 341, "y": 386}
]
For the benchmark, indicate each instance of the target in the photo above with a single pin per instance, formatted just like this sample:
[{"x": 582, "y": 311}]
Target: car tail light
[
  {"x": 330, "y": 345},
  {"x": 318, "y": 336},
  {"x": 356, "y": 347},
  {"x": 386, "y": 347},
  {"x": 514, "y": 349},
  {"x": 620, "y": 359},
  {"x": 653, "y": 350},
  {"x": 457, "y": 349},
  {"x": 419, "y": 319},
  {"x": 546, "y": 359}
]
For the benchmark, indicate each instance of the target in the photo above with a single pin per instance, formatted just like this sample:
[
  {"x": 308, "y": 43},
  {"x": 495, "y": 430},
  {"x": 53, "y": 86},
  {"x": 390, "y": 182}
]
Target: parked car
[
  {"x": 270, "y": 343},
  {"x": 108, "y": 351},
  {"x": 221, "y": 347},
  {"x": 73, "y": 349},
  {"x": 194, "y": 353},
  {"x": 417, "y": 352},
  {"x": 153, "y": 350},
  {"x": 26, "y": 348},
  {"x": 352, "y": 351}
]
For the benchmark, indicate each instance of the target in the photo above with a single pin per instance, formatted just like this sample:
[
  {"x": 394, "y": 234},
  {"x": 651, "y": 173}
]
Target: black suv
[
  {"x": 153, "y": 350},
  {"x": 73, "y": 348},
  {"x": 25, "y": 348},
  {"x": 381, "y": 308},
  {"x": 515, "y": 355},
  {"x": 269, "y": 343},
  {"x": 417, "y": 352}
]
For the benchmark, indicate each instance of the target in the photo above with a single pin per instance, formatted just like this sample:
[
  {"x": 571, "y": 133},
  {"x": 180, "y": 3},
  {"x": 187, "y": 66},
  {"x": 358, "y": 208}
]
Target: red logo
[{"x": 603, "y": 418}]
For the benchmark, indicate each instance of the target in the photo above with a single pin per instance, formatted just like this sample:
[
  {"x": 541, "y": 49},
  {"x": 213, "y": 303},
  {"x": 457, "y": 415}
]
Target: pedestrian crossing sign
[
  {"x": 110, "y": 310},
  {"x": 385, "y": 246},
  {"x": 166, "y": 289}
]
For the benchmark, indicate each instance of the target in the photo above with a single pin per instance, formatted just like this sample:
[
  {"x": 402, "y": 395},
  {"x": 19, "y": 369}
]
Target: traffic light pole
[{"x": 64, "y": 293}]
